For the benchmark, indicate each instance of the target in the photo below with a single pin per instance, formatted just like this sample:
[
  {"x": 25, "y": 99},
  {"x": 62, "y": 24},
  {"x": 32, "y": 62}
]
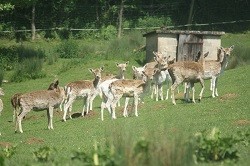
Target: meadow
[{"x": 161, "y": 130}]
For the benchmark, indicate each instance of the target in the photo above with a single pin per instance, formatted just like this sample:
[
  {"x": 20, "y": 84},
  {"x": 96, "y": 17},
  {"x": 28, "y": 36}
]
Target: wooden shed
[{"x": 182, "y": 45}]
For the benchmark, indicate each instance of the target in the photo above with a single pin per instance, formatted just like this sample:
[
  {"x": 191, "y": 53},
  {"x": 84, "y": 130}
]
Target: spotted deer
[
  {"x": 15, "y": 100},
  {"x": 39, "y": 100},
  {"x": 187, "y": 71},
  {"x": 85, "y": 89},
  {"x": 128, "y": 88},
  {"x": 214, "y": 68}
]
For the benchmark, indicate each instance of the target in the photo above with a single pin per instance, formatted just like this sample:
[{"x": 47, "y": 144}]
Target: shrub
[
  {"x": 8, "y": 151},
  {"x": 108, "y": 32},
  {"x": 214, "y": 147},
  {"x": 28, "y": 69},
  {"x": 153, "y": 21},
  {"x": 68, "y": 49},
  {"x": 44, "y": 154},
  {"x": 240, "y": 56}
]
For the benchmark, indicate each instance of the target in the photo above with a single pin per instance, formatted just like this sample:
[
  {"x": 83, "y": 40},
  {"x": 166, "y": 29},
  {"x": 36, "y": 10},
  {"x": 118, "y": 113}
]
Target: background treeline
[{"x": 102, "y": 14}]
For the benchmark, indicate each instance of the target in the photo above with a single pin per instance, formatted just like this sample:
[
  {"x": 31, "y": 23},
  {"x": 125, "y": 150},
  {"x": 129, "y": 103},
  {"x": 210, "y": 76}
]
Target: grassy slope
[{"x": 230, "y": 113}]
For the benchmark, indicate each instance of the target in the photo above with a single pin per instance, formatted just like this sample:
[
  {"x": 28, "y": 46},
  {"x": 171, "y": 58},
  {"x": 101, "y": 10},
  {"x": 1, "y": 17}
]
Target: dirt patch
[
  {"x": 242, "y": 122},
  {"x": 34, "y": 140},
  {"x": 228, "y": 96},
  {"x": 32, "y": 117},
  {"x": 5, "y": 144}
]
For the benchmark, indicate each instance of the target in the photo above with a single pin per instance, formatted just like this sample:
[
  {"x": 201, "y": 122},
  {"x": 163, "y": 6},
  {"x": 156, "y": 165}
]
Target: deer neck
[
  {"x": 224, "y": 63},
  {"x": 120, "y": 75},
  {"x": 146, "y": 86},
  {"x": 96, "y": 81}
]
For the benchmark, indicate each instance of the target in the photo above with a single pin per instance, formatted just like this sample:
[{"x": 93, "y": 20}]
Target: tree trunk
[
  {"x": 120, "y": 19},
  {"x": 190, "y": 17},
  {"x": 33, "y": 27}
]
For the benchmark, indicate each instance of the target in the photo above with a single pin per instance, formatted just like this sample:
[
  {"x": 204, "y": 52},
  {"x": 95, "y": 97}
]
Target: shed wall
[
  {"x": 167, "y": 44},
  {"x": 211, "y": 43}
]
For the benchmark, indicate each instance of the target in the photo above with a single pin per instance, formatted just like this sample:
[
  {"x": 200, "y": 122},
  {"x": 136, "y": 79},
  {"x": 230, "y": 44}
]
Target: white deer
[
  {"x": 85, "y": 89},
  {"x": 39, "y": 100}
]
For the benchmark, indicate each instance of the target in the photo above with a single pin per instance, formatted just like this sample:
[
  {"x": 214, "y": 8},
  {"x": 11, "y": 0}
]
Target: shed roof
[{"x": 163, "y": 31}]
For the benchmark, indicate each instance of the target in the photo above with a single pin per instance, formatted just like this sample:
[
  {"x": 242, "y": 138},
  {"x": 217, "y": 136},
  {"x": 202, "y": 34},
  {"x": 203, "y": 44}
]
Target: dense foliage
[{"x": 99, "y": 14}]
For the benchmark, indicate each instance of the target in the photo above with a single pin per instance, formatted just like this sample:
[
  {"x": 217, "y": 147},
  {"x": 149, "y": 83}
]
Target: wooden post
[{"x": 190, "y": 19}]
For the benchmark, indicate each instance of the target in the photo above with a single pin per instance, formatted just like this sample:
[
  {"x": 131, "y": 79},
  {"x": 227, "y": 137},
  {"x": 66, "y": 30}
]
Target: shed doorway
[{"x": 188, "y": 46}]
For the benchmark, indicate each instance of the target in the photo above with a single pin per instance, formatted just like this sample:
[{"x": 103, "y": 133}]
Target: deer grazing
[
  {"x": 130, "y": 89},
  {"x": 187, "y": 71},
  {"x": 40, "y": 100},
  {"x": 86, "y": 89}
]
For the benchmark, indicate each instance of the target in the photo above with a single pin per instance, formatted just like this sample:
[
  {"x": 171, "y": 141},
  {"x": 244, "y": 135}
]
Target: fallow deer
[
  {"x": 85, "y": 89},
  {"x": 213, "y": 68},
  {"x": 128, "y": 88},
  {"x": 39, "y": 100},
  {"x": 104, "y": 85},
  {"x": 187, "y": 71}
]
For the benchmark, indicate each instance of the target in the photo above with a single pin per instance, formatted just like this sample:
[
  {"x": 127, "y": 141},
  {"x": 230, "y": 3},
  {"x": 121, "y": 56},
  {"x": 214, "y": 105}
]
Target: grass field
[{"x": 157, "y": 122}]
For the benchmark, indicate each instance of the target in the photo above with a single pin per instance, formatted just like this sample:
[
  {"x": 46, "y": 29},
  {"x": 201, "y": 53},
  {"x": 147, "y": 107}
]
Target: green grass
[{"x": 158, "y": 121}]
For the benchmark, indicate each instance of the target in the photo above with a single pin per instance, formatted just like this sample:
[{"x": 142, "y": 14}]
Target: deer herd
[{"x": 111, "y": 88}]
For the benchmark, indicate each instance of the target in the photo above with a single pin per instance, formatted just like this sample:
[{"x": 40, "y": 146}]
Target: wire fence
[{"x": 137, "y": 28}]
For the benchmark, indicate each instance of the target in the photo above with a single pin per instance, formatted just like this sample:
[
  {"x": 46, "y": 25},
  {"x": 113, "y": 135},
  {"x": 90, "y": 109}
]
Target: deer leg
[
  {"x": 50, "y": 117},
  {"x": 186, "y": 90},
  {"x": 136, "y": 98},
  {"x": 125, "y": 111},
  {"x": 19, "y": 121},
  {"x": 202, "y": 89},
  {"x": 113, "y": 105},
  {"x": 161, "y": 91},
  {"x": 173, "y": 87},
  {"x": 68, "y": 107},
  {"x": 193, "y": 90},
  {"x": 215, "y": 87},
  {"x": 85, "y": 105},
  {"x": 167, "y": 90},
  {"x": 213, "y": 80},
  {"x": 211, "y": 84},
  {"x": 153, "y": 90}
]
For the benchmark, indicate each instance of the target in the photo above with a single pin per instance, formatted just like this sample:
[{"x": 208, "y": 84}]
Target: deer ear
[
  {"x": 56, "y": 83},
  {"x": 117, "y": 64},
  {"x": 91, "y": 70},
  {"x": 102, "y": 68},
  {"x": 145, "y": 66},
  {"x": 134, "y": 68},
  {"x": 127, "y": 63},
  {"x": 206, "y": 54},
  {"x": 155, "y": 59}
]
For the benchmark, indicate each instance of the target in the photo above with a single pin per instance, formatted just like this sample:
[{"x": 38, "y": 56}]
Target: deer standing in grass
[
  {"x": 85, "y": 89},
  {"x": 214, "y": 68},
  {"x": 187, "y": 71},
  {"x": 39, "y": 100},
  {"x": 128, "y": 88}
]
